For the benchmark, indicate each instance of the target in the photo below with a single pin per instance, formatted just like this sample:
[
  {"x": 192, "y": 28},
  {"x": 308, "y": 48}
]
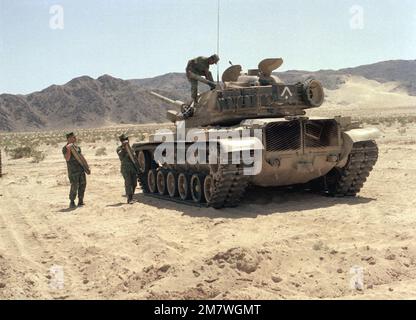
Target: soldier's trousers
[
  {"x": 194, "y": 89},
  {"x": 78, "y": 184},
  {"x": 130, "y": 181}
]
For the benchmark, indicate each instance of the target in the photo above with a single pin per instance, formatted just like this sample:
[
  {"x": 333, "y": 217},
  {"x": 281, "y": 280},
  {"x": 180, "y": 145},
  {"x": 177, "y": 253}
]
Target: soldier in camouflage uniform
[
  {"x": 128, "y": 169},
  {"x": 200, "y": 67},
  {"x": 76, "y": 172}
]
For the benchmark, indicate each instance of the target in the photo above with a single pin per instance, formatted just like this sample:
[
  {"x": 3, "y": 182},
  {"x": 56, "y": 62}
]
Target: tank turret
[{"x": 256, "y": 93}]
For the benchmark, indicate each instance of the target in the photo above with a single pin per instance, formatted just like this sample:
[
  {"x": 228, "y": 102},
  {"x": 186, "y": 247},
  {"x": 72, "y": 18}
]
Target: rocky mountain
[
  {"x": 82, "y": 102},
  {"x": 88, "y": 102},
  {"x": 401, "y": 71}
]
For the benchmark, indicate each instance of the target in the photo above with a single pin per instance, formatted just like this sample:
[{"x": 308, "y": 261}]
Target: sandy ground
[{"x": 275, "y": 245}]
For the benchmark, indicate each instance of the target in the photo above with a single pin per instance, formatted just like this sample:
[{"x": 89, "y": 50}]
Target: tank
[{"x": 252, "y": 130}]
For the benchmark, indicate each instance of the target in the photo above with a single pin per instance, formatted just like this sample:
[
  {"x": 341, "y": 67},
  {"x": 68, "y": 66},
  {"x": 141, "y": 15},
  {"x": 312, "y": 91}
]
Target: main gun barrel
[{"x": 178, "y": 103}]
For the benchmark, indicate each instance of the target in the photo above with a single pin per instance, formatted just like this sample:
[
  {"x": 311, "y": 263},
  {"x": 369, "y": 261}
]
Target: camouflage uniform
[
  {"x": 199, "y": 66},
  {"x": 128, "y": 170},
  {"x": 77, "y": 177}
]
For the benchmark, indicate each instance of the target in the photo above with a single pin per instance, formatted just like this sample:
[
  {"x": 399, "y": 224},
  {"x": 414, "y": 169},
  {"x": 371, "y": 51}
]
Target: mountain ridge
[{"x": 87, "y": 102}]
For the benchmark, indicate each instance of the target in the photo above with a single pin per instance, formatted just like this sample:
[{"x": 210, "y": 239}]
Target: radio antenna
[{"x": 218, "y": 41}]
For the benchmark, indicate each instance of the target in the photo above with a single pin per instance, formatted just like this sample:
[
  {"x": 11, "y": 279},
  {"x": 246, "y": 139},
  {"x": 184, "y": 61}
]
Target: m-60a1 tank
[{"x": 254, "y": 131}]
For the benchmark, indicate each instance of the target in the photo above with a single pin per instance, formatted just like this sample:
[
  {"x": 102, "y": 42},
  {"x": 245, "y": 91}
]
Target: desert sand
[{"x": 276, "y": 245}]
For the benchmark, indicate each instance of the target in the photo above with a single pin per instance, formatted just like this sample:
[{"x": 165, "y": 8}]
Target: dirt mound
[{"x": 244, "y": 260}]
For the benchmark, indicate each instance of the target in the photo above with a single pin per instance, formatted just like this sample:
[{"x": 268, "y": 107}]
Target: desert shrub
[
  {"x": 403, "y": 121},
  {"x": 140, "y": 136},
  {"x": 107, "y": 136},
  {"x": 402, "y": 130},
  {"x": 88, "y": 138},
  {"x": 389, "y": 124},
  {"x": 37, "y": 156},
  {"x": 21, "y": 152},
  {"x": 26, "y": 152},
  {"x": 53, "y": 144},
  {"x": 101, "y": 152}
]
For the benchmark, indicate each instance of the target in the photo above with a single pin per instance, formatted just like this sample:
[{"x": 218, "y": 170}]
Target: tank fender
[
  {"x": 363, "y": 134},
  {"x": 237, "y": 145},
  {"x": 355, "y": 135}
]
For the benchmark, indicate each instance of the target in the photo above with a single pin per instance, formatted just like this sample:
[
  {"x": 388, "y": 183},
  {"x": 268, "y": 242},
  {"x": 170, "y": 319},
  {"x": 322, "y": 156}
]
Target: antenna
[{"x": 218, "y": 41}]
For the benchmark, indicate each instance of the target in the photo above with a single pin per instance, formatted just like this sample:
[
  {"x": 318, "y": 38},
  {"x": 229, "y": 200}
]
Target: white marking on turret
[{"x": 286, "y": 91}]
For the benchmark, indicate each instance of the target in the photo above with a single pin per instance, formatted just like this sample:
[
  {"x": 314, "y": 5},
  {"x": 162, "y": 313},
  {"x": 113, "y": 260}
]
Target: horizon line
[{"x": 181, "y": 72}]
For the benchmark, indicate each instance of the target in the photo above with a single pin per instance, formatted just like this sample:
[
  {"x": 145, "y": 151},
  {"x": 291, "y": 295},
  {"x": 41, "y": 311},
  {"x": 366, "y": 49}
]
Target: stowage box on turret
[{"x": 254, "y": 131}]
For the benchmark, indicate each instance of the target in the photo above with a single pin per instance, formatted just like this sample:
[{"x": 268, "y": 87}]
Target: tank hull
[{"x": 282, "y": 152}]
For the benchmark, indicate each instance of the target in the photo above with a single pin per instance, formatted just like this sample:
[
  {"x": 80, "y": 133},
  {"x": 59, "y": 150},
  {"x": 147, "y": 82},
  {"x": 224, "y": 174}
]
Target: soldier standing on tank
[
  {"x": 76, "y": 172},
  {"x": 200, "y": 67},
  {"x": 128, "y": 169}
]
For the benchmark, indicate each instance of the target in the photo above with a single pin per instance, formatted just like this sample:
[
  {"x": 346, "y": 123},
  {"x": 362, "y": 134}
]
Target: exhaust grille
[
  {"x": 321, "y": 133},
  {"x": 283, "y": 136}
]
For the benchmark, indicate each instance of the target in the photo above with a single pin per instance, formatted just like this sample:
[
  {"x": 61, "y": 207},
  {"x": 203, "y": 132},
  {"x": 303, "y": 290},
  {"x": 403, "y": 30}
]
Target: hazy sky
[{"x": 144, "y": 38}]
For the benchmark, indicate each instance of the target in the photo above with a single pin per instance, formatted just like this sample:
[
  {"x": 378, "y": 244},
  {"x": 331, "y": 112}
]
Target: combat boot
[
  {"x": 130, "y": 199},
  {"x": 188, "y": 111},
  {"x": 81, "y": 203},
  {"x": 72, "y": 204}
]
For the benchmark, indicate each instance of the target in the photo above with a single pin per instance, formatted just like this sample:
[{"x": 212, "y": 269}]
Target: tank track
[
  {"x": 143, "y": 182},
  {"x": 349, "y": 180},
  {"x": 230, "y": 184}
]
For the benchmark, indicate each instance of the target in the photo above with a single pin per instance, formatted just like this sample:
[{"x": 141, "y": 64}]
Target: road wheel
[
  {"x": 197, "y": 188},
  {"x": 172, "y": 184},
  {"x": 144, "y": 161},
  {"x": 161, "y": 182},
  {"x": 151, "y": 181},
  {"x": 208, "y": 188},
  {"x": 183, "y": 186}
]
